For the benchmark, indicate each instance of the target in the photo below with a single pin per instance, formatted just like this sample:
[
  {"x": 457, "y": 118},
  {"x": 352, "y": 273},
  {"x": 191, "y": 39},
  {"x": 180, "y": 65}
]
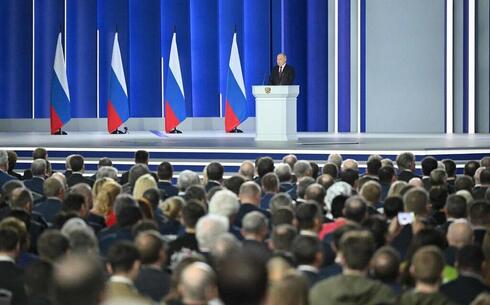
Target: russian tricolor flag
[
  {"x": 236, "y": 99},
  {"x": 174, "y": 94},
  {"x": 118, "y": 103},
  {"x": 60, "y": 94}
]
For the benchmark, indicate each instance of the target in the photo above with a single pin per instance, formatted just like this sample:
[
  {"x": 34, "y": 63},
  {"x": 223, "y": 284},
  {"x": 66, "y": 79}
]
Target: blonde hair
[
  {"x": 106, "y": 195},
  {"x": 143, "y": 183},
  {"x": 172, "y": 207},
  {"x": 396, "y": 189},
  {"x": 99, "y": 183},
  {"x": 19, "y": 227}
]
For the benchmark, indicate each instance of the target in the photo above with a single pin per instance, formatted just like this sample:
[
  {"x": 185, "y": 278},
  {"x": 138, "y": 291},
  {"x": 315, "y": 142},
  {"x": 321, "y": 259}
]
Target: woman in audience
[
  {"x": 107, "y": 191},
  {"x": 172, "y": 210}
]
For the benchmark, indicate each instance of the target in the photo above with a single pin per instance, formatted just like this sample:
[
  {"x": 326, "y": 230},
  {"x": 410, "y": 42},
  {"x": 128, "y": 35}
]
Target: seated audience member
[
  {"x": 308, "y": 251},
  {"x": 152, "y": 280},
  {"x": 38, "y": 278},
  {"x": 105, "y": 169},
  {"x": 264, "y": 166},
  {"x": 12, "y": 277},
  {"x": 464, "y": 183},
  {"x": 385, "y": 267},
  {"x": 352, "y": 286},
  {"x": 124, "y": 262},
  {"x": 428, "y": 164},
  {"x": 255, "y": 229},
  {"x": 52, "y": 246},
  {"x": 54, "y": 192},
  {"x": 26, "y": 255},
  {"x": 165, "y": 173},
  {"x": 377, "y": 225},
  {"x": 470, "y": 168},
  {"x": 290, "y": 160},
  {"x": 12, "y": 157},
  {"x": 186, "y": 179},
  {"x": 325, "y": 181},
  {"x": 141, "y": 157},
  {"x": 81, "y": 237},
  {"x": 284, "y": 174},
  {"x": 292, "y": 289},
  {"x": 371, "y": 192},
  {"x": 283, "y": 216},
  {"x": 39, "y": 174},
  {"x": 437, "y": 198},
  {"x": 450, "y": 167},
  {"x": 349, "y": 164},
  {"x": 309, "y": 219},
  {"x": 77, "y": 167},
  {"x": 281, "y": 200},
  {"x": 480, "y": 189},
  {"x": 350, "y": 177},
  {"x": 270, "y": 187},
  {"x": 459, "y": 234},
  {"x": 198, "y": 284},
  {"x": 427, "y": 266},
  {"x": 225, "y": 203},
  {"x": 234, "y": 183},
  {"x": 196, "y": 192},
  {"x": 332, "y": 170},
  {"x": 38, "y": 153},
  {"x": 172, "y": 210},
  {"x": 79, "y": 280},
  {"x": 455, "y": 208},
  {"x": 373, "y": 165},
  {"x": 208, "y": 229},
  {"x": 301, "y": 186},
  {"x": 339, "y": 188},
  {"x": 406, "y": 166},
  {"x": 103, "y": 209},
  {"x": 136, "y": 171},
  {"x": 214, "y": 173},
  {"x": 247, "y": 170},
  {"x": 392, "y": 206},
  {"x": 315, "y": 192},
  {"x": 479, "y": 217},
  {"x": 469, "y": 284},
  {"x": 281, "y": 241},
  {"x": 335, "y": 159},
  {"x": 249, "y": 201},
  {"x": 387, "y": 176},
  {"x": 142, "y": 184}
]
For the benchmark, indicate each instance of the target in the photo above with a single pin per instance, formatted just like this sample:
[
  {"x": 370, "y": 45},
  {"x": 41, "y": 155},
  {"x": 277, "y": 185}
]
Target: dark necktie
[{"x": 280, "y": 72}]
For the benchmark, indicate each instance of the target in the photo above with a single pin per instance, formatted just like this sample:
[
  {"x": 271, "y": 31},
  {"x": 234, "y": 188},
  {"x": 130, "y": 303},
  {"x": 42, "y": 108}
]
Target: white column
[
  {"x": 336, "y": 69},
  {"x": 449, "y": 66},
  {"x": 471, "y": 64}
]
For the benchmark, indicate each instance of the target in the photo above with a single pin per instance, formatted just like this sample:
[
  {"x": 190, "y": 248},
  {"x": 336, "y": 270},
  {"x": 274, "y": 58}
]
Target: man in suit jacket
[
  {"x": 4, "y": 166},
  {"x": 54, "y": 192},
  {"x": 406, "y": 166},
  {"x": 77, "y": 167},
  {"x": 214, "y": 173},
  {"x": 124, "y": 262},
  {"x": 38, "y": 170},
  {"x": 308, "y": 251},
  {"x": 12, "y": 155},
  {"x": 165, "y": 172},
  {"x": 282, "y": 74},
  {"x": 152, "y": 280},
  {"x": 12, "y": 279}
]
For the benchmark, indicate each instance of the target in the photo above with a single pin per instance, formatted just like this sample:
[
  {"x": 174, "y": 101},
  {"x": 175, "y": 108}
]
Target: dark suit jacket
[
  {"x": 76, "y": 178},
  {"x": 48, "y": 208},
  {"x": 170, "y": 189},
  {"x": 311, "y": 276},
  {"x": 406, "y": 176},
  {"x": 15, "y": 174},
  {"x": 108, "y": 236},
  {"x": 210, "y": 185},
  {"x": 479, "y": 192},
  {"x": 285, "y": 79},
  {"x": 35, "y": 184},
  {"x": 265, "y": 201},
  {"x": 464, "y": 289},
  {"x": 246, "y": 208},
  {"x": 4, "y": 177},
  {"x": 153, "y": 283},
  {"x": 12, "y": 279}
]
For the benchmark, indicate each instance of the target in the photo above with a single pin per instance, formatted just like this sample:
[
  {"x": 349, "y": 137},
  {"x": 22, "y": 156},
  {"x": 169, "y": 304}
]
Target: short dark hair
[
  {"x": 9, "y": 239},
  {"x": 355, "y": 209},
  {"x": 154, "y": 196},
  {"x": 305, "y": 249},
  {"x": 470, "y": 168},
  {"x": 122, "y": 255},
  {"x": 104, "y": 161},
  {"x": 242, "y": 278},
  {"x": 456, "y": 206},
  {"x": 331, "y": 169},
  {"x": 191, "y": 213},
  {"x": 357, "y": 248},
  {"x": 265, "y": 165},
  {"x": 314, "y": 169},
  {"x": 141, "y": 156},
  {"x": 386, "y": 174},
  {"x": 373, "y": 165},
  {"x": 215, "y": 171},
  {"x": 270, "y": 182},
  {"x": 52, "y": 245},
  {"x": 12, "y": 155},
  {"x": 195, "y": 192},
  {"x": 386, "y": 265},
  {"x": 438, "y": 197},
  {"x": 303, "y": 184},
  {"x": 150, "y": 249},
  {"x": 464, "y": 183},
  {"x": 282, "y": 216},
  {"x": 76, "y": 163},
  {"x": 349, "y": 176},
  {"x": 338, "y": 205},
  {"x": 136, "y": 171},
  {"x": 479, "y": 213},
  {"x": 315, "y": 192},
  {"x": 428, "y": 263},
  {"x": 470, "y": 258},
  {"x": 450, "y": 167},
  {"x": 393, "y": 206},
  {"x": 283, "y": 236},
  {"x": 40, "y": 153},
  {"x": 165, "y": 171},
  {"x": 378, "y": 227},
  {"x": 234, "y": 183},
  {"x": 428, "y": 165},
  {"x": 485, "y": 176},
  {"x": 73, "y": 202},
  {"x": 306, "y": 214}
]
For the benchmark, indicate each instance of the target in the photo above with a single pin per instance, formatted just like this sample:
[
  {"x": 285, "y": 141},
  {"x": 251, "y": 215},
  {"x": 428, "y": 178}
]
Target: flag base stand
[
  {"x": 175, "y": 130},
  {"x": 117, "y": 131},
  {"x": 59, "y": 132},
  {"x": 235, "y": 130}
]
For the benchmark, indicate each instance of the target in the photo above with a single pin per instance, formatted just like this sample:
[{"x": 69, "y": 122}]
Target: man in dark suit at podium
[{"x": 282, "y": 74}]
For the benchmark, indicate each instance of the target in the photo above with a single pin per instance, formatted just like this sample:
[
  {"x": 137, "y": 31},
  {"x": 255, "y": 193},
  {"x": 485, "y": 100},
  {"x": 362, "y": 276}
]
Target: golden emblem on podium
[{"x": 267, "y": 90}]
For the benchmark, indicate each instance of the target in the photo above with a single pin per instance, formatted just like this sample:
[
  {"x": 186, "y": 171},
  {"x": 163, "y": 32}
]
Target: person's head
[
  {"x": 325, "y": 181},
  {"x": 315, "y": 192},
  {"x": 438, "y": 197},
  {"x": 392, "y": 206},
  {"x": 485, "y": 176},
  {"x": 142, "y": 184},
  {"x": 81, "y": 237},
  {"x": 331, "y": 169},
  {"x": 224, "y": 203},
  {"x": 250, "y": 193},
  {"x": 4, "y": 160},
  {"x": 427, "y": 265},
  {"x": 21, "y": 198},
  {"x": 196, "y": 192},
  {"x": 479, "y": 213},
  {"x": 373, "y": 165},
  {"x": 385, "y": 265},
  {"x": 377, "y": 225},
  {"x": 355, "y": 209},
  {"x": 85, "y": 190},
  {"x": 136, "y": 171},
  {"x": 191, "y": 213},
  {"x": 208, "y": 228},
  {"x": 165, "y": 171},
  {"x": 39, "y": 168},
  {"x": 79, "y": 280},
  {"x": 476, "y": 177},
  {"x": 106, "y": 172},
  {"x": 455, "y": 206},
  {"x": 450, "y": 167},
  {"x": 186, "y": 179},
  {"x": 74, "y": 202},
  {"x": 292, "y": 289},
  {"x": 302, "y": 169},
  {"x": 355, "y": 250},
  {"x": 396, "y": 189},
  {"x": 349, "y": 164},
  {"x": 470, "y": 168},
  {"x": 350, "y": 176},
  {"x": 52, "y": 245},
  {"x": 405, "y": 161},
  {"x": 172, "y": 207},
  {"x": 242, "y": 279},
  {"x": 335, "y": 159},
  {"x": 338, "y": 205},
  {"x": 270, "y": 183},
  {"x": 309, "y": 217},
  {"x": 127, "y": 211},
  {"x": 459, "y": 234},
  {"x": 281, "y": 59},
  {"x": 282, "y": 216},
  {"x": 215, "y": 171},
  {"x": 290, "y": 160},
  {"x": 416, "y": 200},
  {"x": 308, "y": 250},
  {"x": 470, "y": 259},
  {"x": 255, "y": 226},
  {"x": 280, "y": 200},
  {"x": 151, "y": 248},
  {"x": 303, "y": 184},
  {"x": 438, "y": 177},
  {"x": 247, "y": 170},
  {"x": 386, "y": 174},
  {"x": 38, "y": 279},
  {"x": 52, "y": 187},
  {"x": 464, "y": 182},
  {"x": 124, "y": 259},
  {"x": 39, "y": 153},
  {"x": 76, "y": 163},
  {"x": 9, "y": 242},
  {"x": 429, "y": 164},
  {"x": 197, "y": 284},
  {"x": 141, "y": 156},
  {"x": 282, "y": 237},
  {"x": 265, "y": 165},
  {"x": 371, "y": 192},
  {"x": 106, "y": 195},
  {"x": 234, "y": 183},
  {"x": 12, "y": 157},
  {"x": 153, "y": 196}
]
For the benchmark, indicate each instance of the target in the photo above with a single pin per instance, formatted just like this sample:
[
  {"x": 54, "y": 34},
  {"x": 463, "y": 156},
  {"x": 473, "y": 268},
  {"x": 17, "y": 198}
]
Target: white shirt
[
  {"x": 121, "y": 279},
  {"x": 6, "y": 258},
  {"x": 308, "y": 268},
  {"x": 281, "y": 68}
]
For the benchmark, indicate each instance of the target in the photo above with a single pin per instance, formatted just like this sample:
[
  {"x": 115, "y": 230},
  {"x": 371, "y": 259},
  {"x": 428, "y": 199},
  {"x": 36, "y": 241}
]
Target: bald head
[
  {"x": 459, "y": 234},
  {"x": 250, "y": 193},
  {"x": 247, "y": 170},
  {"x": 197, "y": 283}
]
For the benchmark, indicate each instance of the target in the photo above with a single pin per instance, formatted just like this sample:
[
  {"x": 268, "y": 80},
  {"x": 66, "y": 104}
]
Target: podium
[{"x": 275, "y": 113}]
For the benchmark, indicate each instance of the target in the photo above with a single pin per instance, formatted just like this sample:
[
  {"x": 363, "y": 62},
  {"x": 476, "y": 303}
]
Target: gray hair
[
  {"x": 38, "y": 167},
  {"x": 224, "y": 203},
  {"x": 186, "y": 179},
  {"x": 81, "y": 237},
  {"x": 224, "y": 244},
  {"x": 196, "y": 280},
  {"x": 302, "y": 168},
  {"x": 247, "y": 169},
  {"x": 335, "y": 159},
  {"x": 4, "y": 157},
  {"x": 209, "y": 228},
  {"x": 254, "y": 222},
  {"x": 283, "y": 172},
  {"x": 281, "y": 200},
  {"x": 404, "y": 160},
  {"x": 107, "y": 171}
]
